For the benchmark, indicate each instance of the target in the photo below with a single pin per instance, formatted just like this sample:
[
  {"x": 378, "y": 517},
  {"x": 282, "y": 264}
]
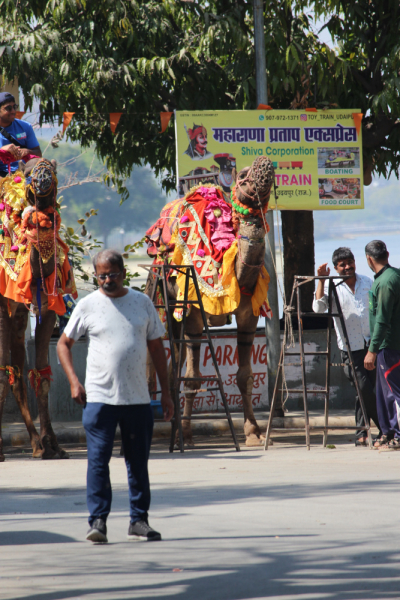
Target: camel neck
[{"x": 251, "y": 250}]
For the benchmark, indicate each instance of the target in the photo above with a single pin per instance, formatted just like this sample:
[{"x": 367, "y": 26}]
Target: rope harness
[{"x": 36, "y": 376}]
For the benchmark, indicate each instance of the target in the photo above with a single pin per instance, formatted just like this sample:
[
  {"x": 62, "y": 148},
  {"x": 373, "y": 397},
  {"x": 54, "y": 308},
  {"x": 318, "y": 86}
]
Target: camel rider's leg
[
  {"x": 246, "y": 329},
  {"x": 43, "y": 335},
  {"x": 19, "y": 323}
]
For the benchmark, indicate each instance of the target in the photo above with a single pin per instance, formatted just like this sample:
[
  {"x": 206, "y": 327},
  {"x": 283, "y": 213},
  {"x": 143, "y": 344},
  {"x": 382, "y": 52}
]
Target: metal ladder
[
  {"x": 160, "y": 275},
  {"x": 332, "y": 296}
]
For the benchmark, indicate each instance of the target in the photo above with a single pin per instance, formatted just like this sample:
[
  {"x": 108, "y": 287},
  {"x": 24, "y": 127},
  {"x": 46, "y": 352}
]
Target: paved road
[{"x": 287, "y": 524}]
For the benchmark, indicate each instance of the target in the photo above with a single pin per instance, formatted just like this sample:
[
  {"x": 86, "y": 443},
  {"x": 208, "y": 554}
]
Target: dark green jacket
[{"x": 384, "y": 310}]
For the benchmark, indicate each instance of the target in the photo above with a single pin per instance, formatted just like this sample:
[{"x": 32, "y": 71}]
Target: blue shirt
[{"x": 23, "y": 133}]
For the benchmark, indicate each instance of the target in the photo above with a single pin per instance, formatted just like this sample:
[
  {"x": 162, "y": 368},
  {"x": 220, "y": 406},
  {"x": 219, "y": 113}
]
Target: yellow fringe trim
[{"x": 228, "y": 297}]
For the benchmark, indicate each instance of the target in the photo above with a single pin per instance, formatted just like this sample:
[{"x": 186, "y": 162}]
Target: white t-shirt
[
  {"x": 355, "y": 308},
  {"x": 117, "y": 330}
]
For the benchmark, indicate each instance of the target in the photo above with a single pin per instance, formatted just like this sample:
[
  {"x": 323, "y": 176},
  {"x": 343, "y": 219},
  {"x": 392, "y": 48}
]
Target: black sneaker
[
  {"x": 142, "y": 532},
  {"x": 97, "y": 532}
]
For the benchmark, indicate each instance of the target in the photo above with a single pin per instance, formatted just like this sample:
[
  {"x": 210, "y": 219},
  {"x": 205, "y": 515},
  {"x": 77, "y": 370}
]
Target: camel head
[
  {"x": 253, "y": 184},
  {"x": 41, "y": 182}
]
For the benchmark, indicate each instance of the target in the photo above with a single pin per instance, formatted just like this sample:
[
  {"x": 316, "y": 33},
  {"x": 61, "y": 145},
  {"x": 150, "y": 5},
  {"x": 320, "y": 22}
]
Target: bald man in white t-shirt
[{"x": 121, "y": 325}]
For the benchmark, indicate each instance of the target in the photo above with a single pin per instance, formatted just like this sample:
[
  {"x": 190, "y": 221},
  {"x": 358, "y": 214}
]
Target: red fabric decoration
[
  {"x": 12, "y": 372},
  {"x": 36, "y": 376},
  {"x": 7, "y": 158}
]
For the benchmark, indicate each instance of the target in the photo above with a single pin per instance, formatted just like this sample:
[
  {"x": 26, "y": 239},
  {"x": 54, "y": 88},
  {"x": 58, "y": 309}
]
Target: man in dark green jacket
[{"x": 384, "y": 311}]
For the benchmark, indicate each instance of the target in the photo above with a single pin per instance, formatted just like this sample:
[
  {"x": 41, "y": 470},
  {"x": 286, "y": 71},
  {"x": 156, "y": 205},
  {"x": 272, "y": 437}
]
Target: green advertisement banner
[{"x": 317, "y": 155}]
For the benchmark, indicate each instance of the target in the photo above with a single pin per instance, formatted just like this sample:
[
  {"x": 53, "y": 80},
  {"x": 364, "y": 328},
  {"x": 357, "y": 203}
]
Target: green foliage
[
  {"x": 136, "y": 214},
  {"x": 141, "y": 57},
  {"x": 367, "y": 33},
  {"x": 79, "y": 245}
]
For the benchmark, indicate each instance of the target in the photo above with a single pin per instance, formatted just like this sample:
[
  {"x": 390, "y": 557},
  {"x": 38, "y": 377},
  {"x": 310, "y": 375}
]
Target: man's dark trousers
[
  {"x": 136, "y": 424},
  {"x": 366, "y": 382},
  {"x": 388, "y": 391}
]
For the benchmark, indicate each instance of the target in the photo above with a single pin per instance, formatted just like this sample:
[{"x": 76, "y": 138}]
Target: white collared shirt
[{"x": 355, "y": 308}]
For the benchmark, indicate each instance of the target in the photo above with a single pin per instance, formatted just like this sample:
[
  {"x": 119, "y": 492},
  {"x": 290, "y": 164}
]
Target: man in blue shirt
[{"x": 21, "y": 139}]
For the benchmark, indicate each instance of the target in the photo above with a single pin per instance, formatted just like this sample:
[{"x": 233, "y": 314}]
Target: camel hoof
[
  {"x": 253, "y": 440},
  {"x": 186, "y": 444},
  {"x": 2, "y": 458},
  {"x": 62, "y": 453},
  {"x": 48, "y": 452},
  {"x": 37, "y": 449},
  {"x": 263, "y": 438}
]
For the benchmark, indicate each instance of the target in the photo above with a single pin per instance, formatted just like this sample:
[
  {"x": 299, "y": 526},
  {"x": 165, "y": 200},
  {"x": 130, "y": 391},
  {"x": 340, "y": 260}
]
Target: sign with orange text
[
  {"x": 227, "y": 358},
  {"x": 317, "y": 156}
]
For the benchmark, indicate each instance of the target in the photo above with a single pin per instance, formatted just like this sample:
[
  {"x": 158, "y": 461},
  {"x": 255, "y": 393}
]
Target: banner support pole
[{"x": 272, "y": 329}]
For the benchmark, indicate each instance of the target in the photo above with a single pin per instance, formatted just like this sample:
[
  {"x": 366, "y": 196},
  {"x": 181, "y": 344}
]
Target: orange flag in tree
[
  {"x": 357, "y": 118},
  {"x": 165, "y": 119},
  {"x": 114, "y": 120},
  {"x": 264, "y": 107},
  {"x": 67, "y": 116},
  {"x": 19, "y": 114}
]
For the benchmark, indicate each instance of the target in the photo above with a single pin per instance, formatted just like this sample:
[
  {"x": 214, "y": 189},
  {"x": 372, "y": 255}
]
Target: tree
[
  {"x": 141, "y": 57},
  {"x": 137, "y": 213}
]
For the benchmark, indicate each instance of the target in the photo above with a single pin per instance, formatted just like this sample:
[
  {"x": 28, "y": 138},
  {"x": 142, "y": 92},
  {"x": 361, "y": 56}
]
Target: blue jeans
[
  {"x": 136, "y": 424},
  {"x": 388, "y": 391}
]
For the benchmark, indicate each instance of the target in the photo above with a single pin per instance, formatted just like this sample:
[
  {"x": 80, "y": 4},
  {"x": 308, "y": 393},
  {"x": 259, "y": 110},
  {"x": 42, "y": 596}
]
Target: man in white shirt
[
  {"x": 354, "y": 301},
  {"x": 121, "y": 324}
]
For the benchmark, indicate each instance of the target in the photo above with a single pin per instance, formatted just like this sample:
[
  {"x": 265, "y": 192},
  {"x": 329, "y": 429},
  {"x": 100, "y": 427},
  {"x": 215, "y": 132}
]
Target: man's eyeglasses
[
  {"x": 104, "y": 276},
  {"x": 10, "y": 107}
]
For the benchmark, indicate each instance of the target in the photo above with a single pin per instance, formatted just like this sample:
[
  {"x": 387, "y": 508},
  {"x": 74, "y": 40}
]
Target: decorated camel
[
  {"x": 226, "y": 244},
  {"x": 34, "y": 274}
]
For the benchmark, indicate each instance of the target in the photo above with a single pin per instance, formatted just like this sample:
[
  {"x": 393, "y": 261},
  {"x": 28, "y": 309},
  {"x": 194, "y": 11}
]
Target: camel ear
[
  {"x": 21, "y": 166},
  {"x": 234, "y": 174},
  {"x": 54, "y": 165}
]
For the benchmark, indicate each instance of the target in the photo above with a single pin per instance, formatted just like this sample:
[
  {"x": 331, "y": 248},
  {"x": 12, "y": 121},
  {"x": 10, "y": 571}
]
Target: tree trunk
[{"x": 298, "y": 252}]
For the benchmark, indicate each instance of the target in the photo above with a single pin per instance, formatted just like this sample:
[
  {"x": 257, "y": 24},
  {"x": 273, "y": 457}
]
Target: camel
[
  {"x": 29, "y": 227},
  {"x": 249, "y": 203}
]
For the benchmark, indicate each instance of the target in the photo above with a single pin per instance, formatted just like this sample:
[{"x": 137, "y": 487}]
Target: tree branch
[{"x": 374, "y": 133}]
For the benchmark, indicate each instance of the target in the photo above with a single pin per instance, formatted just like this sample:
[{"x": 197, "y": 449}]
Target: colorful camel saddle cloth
[
  {"x": 158, "y": 236},
  {"x": 21, "y": 228},
  {"x": 201, "y": 234}
]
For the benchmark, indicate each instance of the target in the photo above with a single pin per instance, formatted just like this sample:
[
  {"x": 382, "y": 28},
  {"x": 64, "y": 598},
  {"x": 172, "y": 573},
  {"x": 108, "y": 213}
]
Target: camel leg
[
  {"x": 193, "y": 331},
  {"x": 18, "y": 327},
  {"x": 48, "y": 438},
  {"x": 246, "y": 328},
  {"x": 3, "y": 393},
  {"x": 5, "y": 334}
]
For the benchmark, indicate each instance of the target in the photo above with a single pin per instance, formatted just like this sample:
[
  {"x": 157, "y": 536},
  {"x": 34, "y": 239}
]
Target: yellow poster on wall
[{"x": 317, "y": 155}]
